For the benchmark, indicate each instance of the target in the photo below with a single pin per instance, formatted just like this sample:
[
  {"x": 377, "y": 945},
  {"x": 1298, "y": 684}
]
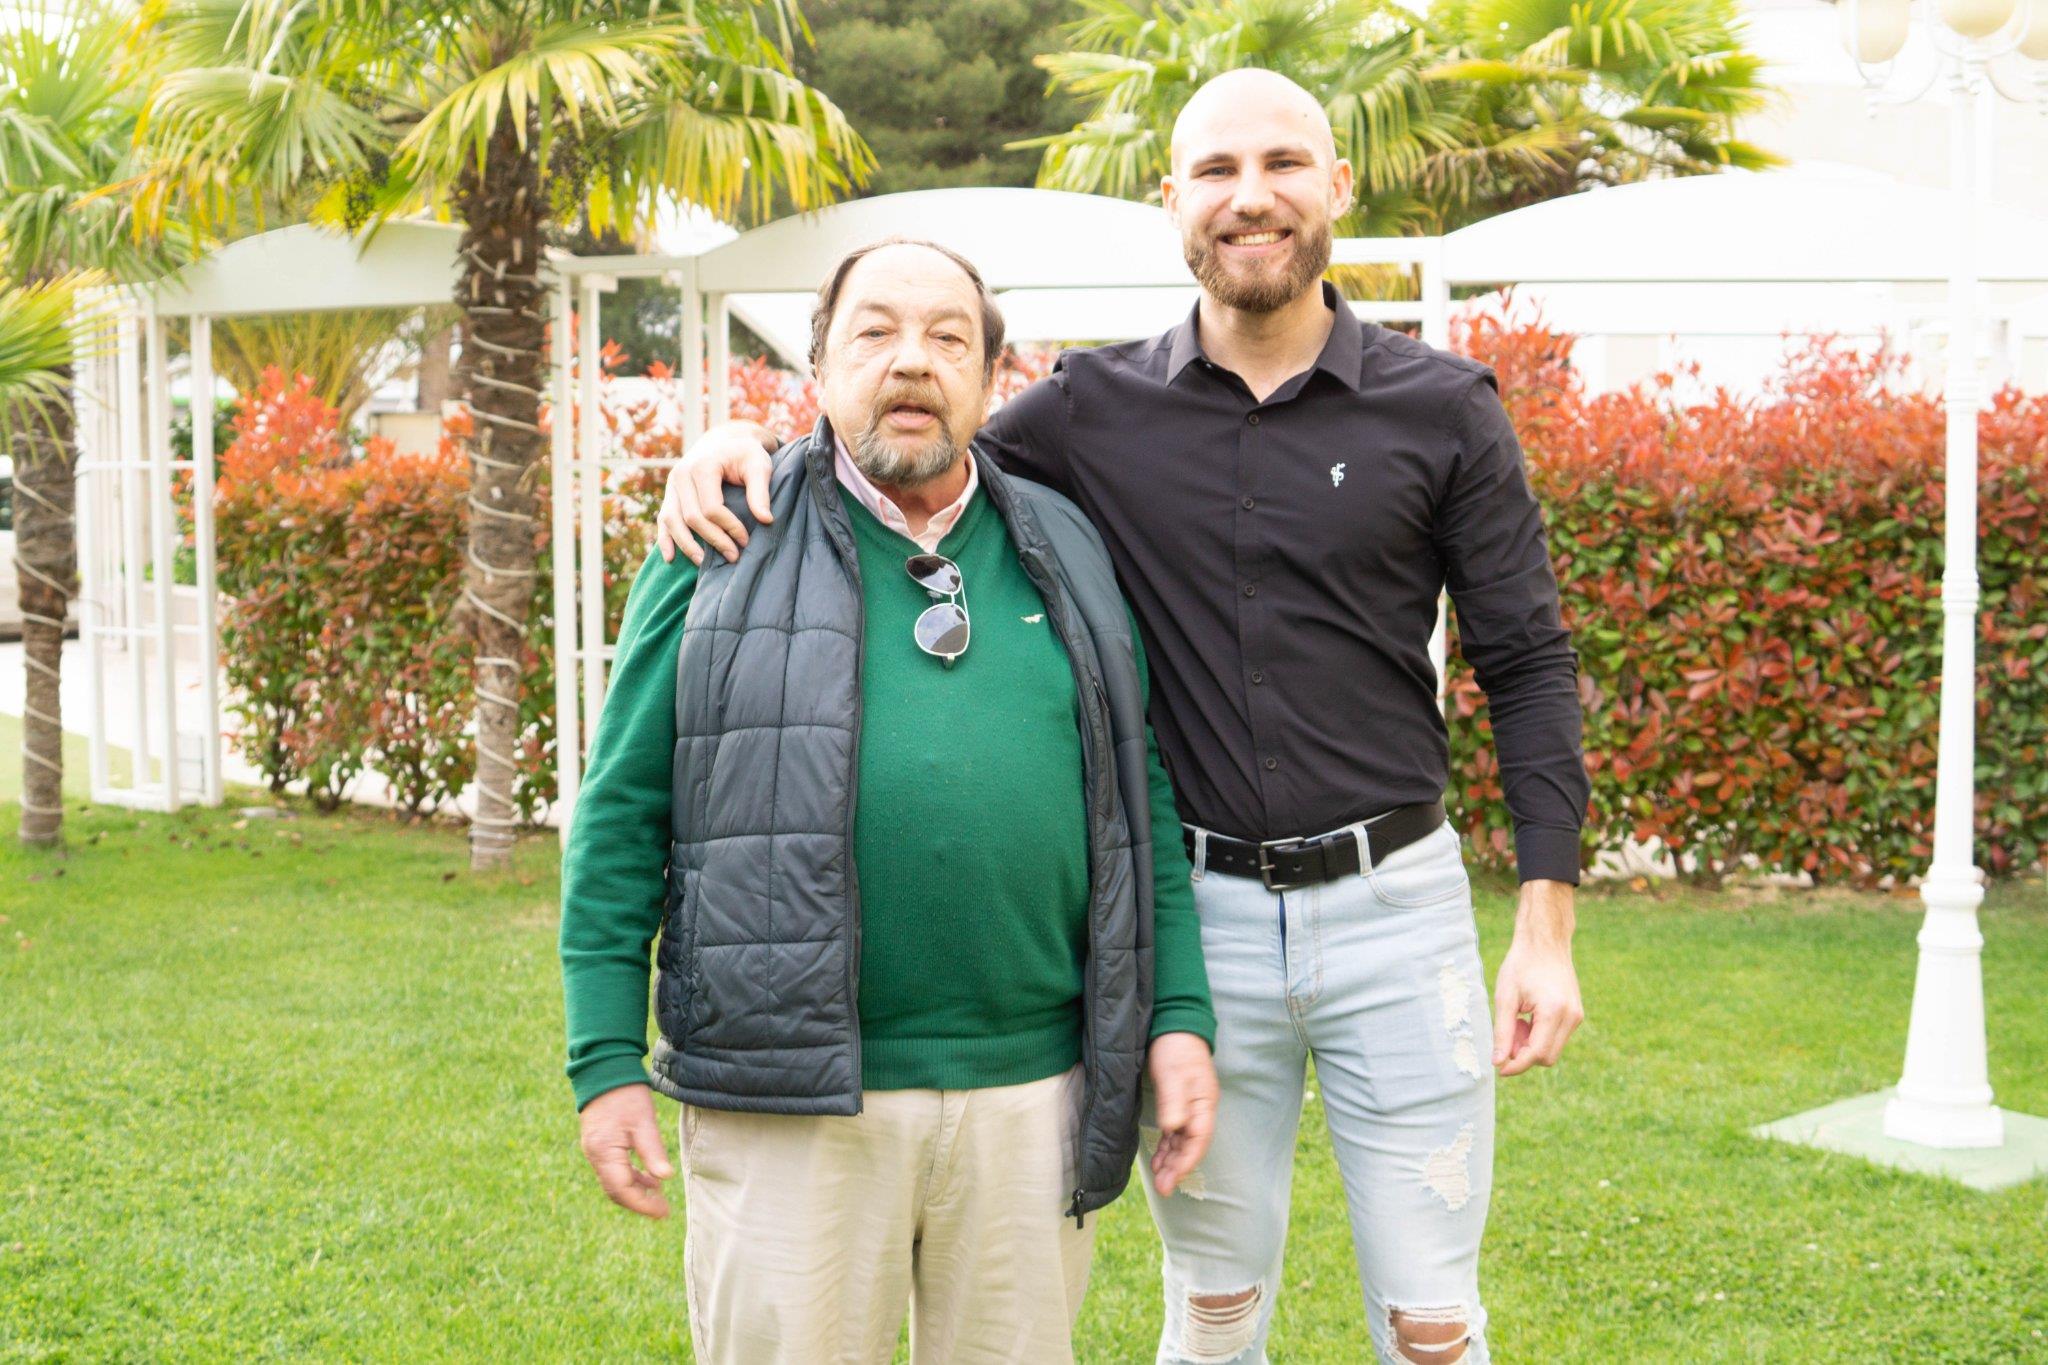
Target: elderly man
[
  {"x": 1286, "y": 491},
  {"x": 887, "y": 791}
]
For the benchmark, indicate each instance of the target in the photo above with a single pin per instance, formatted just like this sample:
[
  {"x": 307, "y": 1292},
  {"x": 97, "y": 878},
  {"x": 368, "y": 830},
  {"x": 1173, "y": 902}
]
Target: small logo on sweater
[
  {"x": 1033, "y": 620},
  {"x": 1336, "y": 476}
]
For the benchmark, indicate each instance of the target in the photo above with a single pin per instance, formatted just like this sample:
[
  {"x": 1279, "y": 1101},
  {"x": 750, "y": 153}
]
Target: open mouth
[
  {"x": 1264, "y": 237},
  {"x": 910, "y": 414}
]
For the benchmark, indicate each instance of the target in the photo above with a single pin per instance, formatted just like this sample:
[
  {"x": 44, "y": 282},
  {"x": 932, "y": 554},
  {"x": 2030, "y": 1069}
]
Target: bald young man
[{"x": 1285, "y": 491}]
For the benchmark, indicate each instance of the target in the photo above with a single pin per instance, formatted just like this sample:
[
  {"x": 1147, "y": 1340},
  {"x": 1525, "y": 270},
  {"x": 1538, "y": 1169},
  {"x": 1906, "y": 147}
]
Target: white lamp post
[{"x": 1943, "y": 1099}]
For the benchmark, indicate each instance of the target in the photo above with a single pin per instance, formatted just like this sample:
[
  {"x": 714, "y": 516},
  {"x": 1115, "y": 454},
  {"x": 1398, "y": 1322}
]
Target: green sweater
[{"x": 970, "y": 836}]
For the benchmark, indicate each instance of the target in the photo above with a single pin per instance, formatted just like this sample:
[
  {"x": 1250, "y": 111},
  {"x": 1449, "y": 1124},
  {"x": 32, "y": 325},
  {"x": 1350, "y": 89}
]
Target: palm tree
[
  {"x": 1448, "y": 117},
  {"x": 67, "y": 125},
  {"x": 1644, "y": 88},
  {"x": 515, "y": 117},
  {"x": 35, "y": 349},
  {"x": 1132, "y": 66}
]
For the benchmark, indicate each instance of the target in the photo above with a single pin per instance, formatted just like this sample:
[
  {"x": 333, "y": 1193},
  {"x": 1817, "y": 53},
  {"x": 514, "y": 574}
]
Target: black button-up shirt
[{"x": 1284, "y": 559}]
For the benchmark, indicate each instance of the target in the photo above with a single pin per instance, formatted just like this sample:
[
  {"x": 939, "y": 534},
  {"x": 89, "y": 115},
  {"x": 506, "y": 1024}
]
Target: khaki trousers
[{"x": 807, "y": 1237}]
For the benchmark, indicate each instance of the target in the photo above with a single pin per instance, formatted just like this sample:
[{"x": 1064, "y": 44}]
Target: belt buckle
[{"x": 1267, "y": 867}]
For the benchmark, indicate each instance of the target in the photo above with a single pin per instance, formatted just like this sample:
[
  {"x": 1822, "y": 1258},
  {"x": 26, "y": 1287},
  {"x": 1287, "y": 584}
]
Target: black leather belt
[{"x": 1285, "y": 863}]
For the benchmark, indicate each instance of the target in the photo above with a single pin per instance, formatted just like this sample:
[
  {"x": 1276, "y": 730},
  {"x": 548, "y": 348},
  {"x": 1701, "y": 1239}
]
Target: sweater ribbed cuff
[
  {"x": 606, "y": 1073},
  {"x": 1547, "y": 854},
  {"x": 1185, "y": 1019}
]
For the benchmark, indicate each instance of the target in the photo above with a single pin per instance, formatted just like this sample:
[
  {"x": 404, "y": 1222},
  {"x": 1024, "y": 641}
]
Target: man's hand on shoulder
[
  {"x": 618, "y": 1125},
  {"x": 1184, "y": 1104},
  {"x": 693, "y": 505},
  {"x": 1536, "y": 996}
]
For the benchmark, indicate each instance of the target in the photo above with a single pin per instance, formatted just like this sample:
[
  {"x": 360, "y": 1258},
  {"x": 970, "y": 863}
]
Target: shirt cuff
[
  {"x": 607, "y": 1073},
  {"x": 1185, "y": 1019},
  {"x": 1547, "y": 854}
]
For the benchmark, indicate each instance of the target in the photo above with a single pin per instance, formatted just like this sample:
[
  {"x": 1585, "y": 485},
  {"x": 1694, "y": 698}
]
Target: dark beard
[{"x": 1261, "y": 293}]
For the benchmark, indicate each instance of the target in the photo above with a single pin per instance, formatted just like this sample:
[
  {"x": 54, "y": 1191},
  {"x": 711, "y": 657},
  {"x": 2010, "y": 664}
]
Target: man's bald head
[
  {"x": 1254, "y": 189},
  {"x": 1250, "y": 93}
]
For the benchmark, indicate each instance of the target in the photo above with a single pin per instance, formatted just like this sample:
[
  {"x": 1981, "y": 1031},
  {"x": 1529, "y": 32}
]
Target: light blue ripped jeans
[{"x": 1378, "y": 977}]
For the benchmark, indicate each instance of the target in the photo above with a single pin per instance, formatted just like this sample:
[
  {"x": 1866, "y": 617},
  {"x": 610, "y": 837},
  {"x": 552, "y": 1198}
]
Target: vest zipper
[
  {"x": 1088, "y": 687},
  {"x": 860, "y": 651},
  {"x": 849, "y": 555}
]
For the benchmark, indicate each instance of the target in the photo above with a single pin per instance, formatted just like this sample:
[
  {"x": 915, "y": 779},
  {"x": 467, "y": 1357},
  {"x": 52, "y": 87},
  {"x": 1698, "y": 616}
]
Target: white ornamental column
[{"x": 1944, "y": 1097}]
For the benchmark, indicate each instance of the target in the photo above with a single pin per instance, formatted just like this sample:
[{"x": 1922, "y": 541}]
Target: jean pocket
[{"x": 1429, "y": 872}]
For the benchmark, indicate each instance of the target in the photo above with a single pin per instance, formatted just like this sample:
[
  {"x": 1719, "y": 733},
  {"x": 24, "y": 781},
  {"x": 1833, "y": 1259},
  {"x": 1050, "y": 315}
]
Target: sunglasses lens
[
  {"x": 934, "y": 572},
  {"x": 942, "y": 630}
]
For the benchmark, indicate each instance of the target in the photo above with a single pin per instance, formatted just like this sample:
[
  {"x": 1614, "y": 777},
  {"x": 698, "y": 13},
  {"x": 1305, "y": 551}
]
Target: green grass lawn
[
  {"x": 293, "y": 1090},
  {"x": 77, "y": 763}
]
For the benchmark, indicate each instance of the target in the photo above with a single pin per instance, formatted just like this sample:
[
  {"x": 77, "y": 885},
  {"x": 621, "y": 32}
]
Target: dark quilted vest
[{"x": 758, "y": 958}]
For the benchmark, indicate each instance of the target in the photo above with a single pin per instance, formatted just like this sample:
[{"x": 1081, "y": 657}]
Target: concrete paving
[{"x": 1855, "y": 1127}]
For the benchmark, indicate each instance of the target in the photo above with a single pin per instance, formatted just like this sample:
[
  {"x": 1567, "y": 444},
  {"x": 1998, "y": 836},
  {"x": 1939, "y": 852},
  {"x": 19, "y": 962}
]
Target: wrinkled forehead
[{"x": 908, "y": 282}]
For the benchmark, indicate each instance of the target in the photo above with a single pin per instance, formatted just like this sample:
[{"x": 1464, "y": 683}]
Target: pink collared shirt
[{"x": 890, "y": 515}]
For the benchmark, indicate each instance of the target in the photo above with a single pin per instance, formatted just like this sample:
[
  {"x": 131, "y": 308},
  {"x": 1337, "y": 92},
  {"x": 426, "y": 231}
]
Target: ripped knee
[
  {"x": 1220, "y": 1327},
  {"x": 1428, "y": 1336}
]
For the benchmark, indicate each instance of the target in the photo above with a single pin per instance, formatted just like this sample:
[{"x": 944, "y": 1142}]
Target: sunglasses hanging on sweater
[{"x": 942, "y": 630}]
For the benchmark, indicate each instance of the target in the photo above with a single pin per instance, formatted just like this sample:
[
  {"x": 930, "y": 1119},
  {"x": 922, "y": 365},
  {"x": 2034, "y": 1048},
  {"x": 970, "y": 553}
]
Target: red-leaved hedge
[
  {"x": 343, "y": 575},
  {"x": 1753, "y": 587}
]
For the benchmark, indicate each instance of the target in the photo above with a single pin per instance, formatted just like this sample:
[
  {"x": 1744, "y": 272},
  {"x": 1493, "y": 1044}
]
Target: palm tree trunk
[
  {"x": 434, "y": 378},
  {"x": 504, "y": 311},
  {"x": 46, "y": 562}
]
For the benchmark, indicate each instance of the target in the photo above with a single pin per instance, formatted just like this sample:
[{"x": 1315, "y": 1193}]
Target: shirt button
[
  {"x": 1253, "y": 419},
  {"x": 1258, "y": 675},
  {"x": 1271, "y": 764},
  {"x": 1251, "y": 590},
  {"x": 1250, "y": 503}
]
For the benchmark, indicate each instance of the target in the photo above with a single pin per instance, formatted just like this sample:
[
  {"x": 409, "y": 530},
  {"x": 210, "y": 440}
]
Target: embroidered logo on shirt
[
  {"x": 1336, "y": 476},
  {"x": 1033, "y": 620}
]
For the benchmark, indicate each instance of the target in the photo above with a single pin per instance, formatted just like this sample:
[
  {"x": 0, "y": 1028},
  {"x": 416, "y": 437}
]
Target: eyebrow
[
  {"x": 1300, "y": 151},
  {"x": 950, "y": 313}
]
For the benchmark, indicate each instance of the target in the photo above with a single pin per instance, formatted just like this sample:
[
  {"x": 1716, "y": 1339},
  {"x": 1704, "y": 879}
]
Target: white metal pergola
[{"x": 132, "y": 614}]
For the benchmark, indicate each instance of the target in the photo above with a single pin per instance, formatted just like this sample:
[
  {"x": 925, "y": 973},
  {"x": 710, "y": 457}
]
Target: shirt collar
[{"x": 1342, "y": 355}]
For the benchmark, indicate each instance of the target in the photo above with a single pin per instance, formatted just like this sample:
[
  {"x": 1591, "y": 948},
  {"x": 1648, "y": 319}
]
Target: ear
[
  {"x": 1342, "y": 183},
  {"x": 1169, "y": 197}
]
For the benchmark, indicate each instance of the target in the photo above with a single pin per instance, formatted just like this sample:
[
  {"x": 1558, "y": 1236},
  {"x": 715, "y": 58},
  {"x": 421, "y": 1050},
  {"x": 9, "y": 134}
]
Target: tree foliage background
[
  {"x": 940, "y": 87},
  {"x": 1450, "y": 115}
]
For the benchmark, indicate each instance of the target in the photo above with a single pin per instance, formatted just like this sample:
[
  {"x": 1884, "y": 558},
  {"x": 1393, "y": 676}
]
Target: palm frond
[
  {"x": 575, "y": 69},
  {"x": 69, "y": 101},
  {"x": 42, "y": 331},
  {"x": 727, "y": 140},
  {"x": 1121, "y": 154},
  {"x": 383, "y": 108}
]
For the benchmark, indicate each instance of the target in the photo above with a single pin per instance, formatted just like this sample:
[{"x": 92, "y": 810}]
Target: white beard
[{"x": 885, "y": 464}]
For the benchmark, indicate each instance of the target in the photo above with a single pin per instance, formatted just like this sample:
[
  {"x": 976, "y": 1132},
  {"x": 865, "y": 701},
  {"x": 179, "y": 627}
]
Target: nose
[
  {"x": 913, "y": 359},
  {"x": 1253, "y": 196}
]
